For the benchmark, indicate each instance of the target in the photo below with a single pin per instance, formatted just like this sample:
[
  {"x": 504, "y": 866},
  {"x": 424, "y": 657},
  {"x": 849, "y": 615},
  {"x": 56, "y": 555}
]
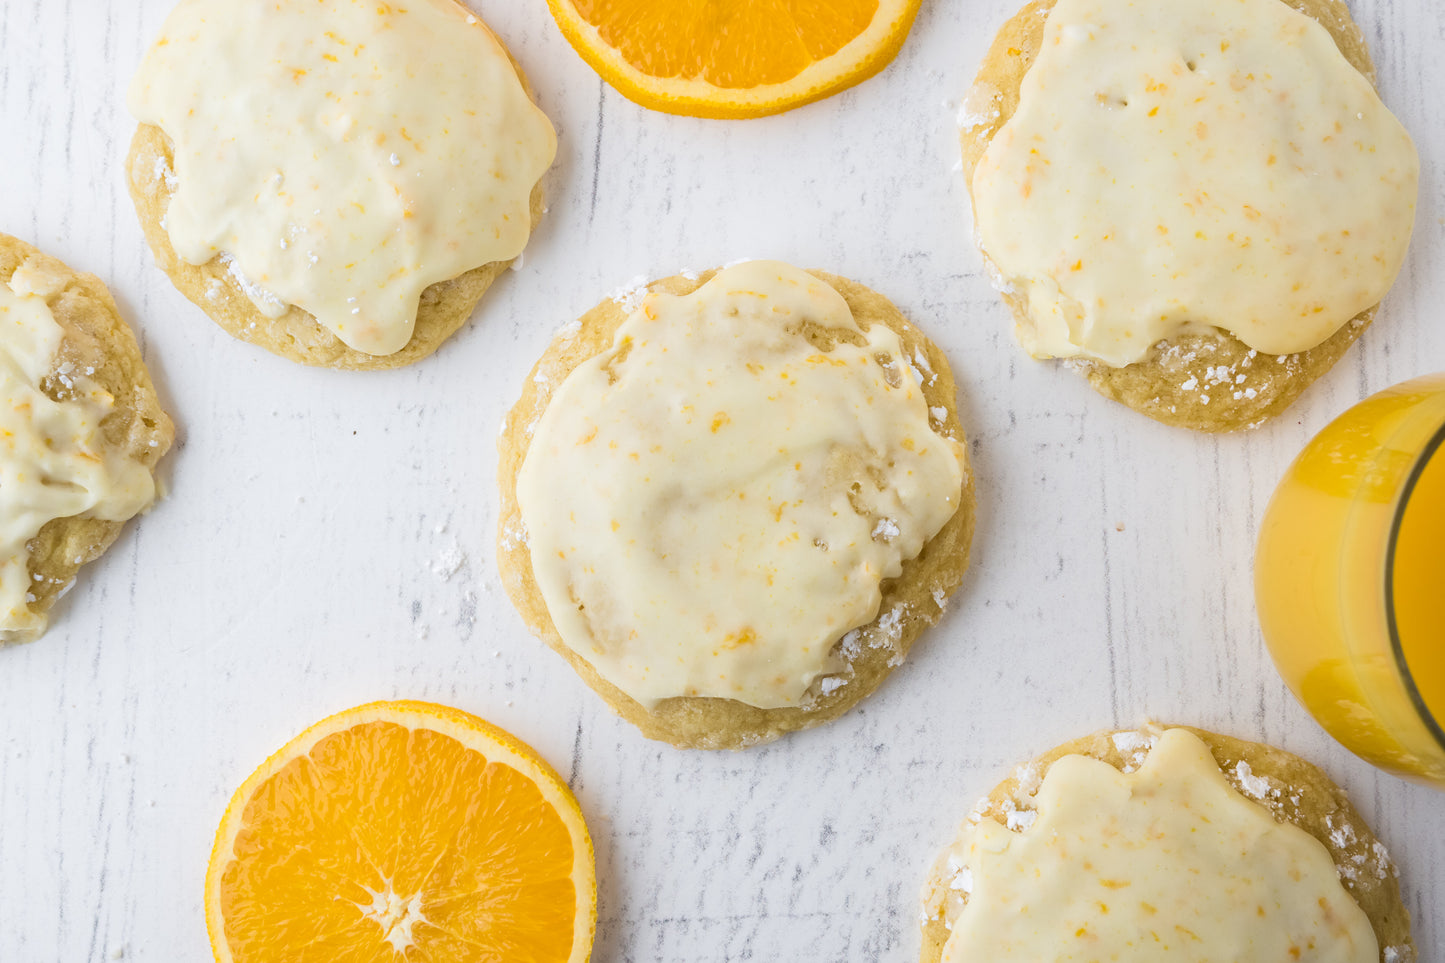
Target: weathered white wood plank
[{"x": 300, "y": 564}]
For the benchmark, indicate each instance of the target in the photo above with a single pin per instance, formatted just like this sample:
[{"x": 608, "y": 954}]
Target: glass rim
[{"x": 1433, "y": 447}]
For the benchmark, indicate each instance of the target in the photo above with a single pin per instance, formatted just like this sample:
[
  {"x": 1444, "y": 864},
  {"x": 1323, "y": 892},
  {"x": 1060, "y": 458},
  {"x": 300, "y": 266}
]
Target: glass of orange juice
[{"x": 1350, "y": 579}]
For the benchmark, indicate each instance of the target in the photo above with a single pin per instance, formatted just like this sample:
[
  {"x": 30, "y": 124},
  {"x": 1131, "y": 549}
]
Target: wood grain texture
[{"x": 327, "y": 540}]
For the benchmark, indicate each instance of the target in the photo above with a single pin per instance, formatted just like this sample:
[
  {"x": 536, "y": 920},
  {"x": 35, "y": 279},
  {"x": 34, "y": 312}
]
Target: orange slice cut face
[
  {"x": 402, "y": 831},
  {"x": 734, "y": 58}
]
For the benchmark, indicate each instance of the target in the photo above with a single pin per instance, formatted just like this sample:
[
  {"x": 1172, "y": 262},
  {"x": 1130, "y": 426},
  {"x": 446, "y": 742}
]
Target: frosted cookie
[
  {"x": 1199, "y": 204},
  {"x": 81, "y": 427},
  {"x": 732, "y": 501},
  {"x": 1165, "y": 844},
  {"x": 335, "y": 181}
]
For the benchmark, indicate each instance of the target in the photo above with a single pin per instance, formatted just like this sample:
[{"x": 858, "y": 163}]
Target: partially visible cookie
[
  {"x": 1292, "y": 790},
  {"x": 861, "y": 654},
  {"x": 369, "y": 206},
  {"x": 1199, "y": 377},
  {"x": 98, "y": 366}
]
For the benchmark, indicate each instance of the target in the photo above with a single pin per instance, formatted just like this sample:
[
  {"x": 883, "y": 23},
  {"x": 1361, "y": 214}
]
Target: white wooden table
[{"x": 328, "y": 536}]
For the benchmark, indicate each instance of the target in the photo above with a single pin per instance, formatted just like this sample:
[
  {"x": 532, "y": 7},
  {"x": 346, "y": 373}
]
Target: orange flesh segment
[
  {"x": 735, "y": 44},
  {"x": 384, "y": 808}
]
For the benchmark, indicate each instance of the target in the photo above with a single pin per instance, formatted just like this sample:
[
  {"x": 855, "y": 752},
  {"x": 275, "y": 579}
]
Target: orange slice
[
  {"x": 734, "y": 58},
  {"x": 402, "y": 831}
]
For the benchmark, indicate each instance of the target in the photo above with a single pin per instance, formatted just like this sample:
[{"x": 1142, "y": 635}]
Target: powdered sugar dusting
[
  {"x": 1217, "y": 379},
  {"x": 162, "y": 173},
  {"x": 962, "y": 877},
  {"x": 448, "y": 562},
  {"x": 514, "y": 535},
  {"x": 1018, "y": 815},
  {"x": 1384, "y": 865},
  {"x": 629, "y": 296},
  {"x": 1029, "y": 780},
  {"x": 268, "y": 303},
  {"x": 996, "y": 279},
  {"x": 1372, "y": 862},
  {"x": 569, "y": 330},
  {"x": 890, "y": 625},
  {"x": 1136, "y": 745},
  {"x": 1021, "y": 819},
  {"x": 1341, "y": 836},
  {"x": 980, "y": 107},
  {"x": 920, "y": 362},
  {"x": 1131, "y": 741},
  {"x": 1256, "y": 787}
]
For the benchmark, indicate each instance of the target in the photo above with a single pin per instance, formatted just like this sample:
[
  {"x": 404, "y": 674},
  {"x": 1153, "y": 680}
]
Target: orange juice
[
  {"x": 1350, "y": 578},
  {"x": 1417, "y": 583}
]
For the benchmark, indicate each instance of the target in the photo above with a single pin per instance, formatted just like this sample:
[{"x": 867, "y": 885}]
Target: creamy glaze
[
  {"x": 1166, "y": 863},
  {"x": 689, "y": 493},
  {"x": 53, "y": 460},
  {"x": 1177, "y": 165},
  {"x": 346, "y": 154}
]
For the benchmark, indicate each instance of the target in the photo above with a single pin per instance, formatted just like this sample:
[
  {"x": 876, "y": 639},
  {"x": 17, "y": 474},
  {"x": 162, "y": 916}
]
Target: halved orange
[
  {"x": 402, "y": 831},
  {"x": 734, "y": 58}
]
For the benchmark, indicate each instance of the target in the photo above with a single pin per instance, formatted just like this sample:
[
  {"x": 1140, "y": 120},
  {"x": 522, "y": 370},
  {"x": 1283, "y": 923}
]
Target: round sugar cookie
[
  {"x": 98, "y": 342},
  {"x": 1293, "y": 790},
  {"x": 910, "y": 603},
  {"x": 444, "y": 307},
  {"x": 1230, "y": 386}
]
